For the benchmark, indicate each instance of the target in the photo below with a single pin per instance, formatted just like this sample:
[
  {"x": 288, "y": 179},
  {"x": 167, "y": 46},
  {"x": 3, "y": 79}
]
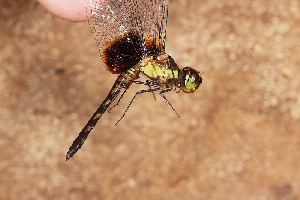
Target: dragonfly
[{"x": 131, "y": 36}]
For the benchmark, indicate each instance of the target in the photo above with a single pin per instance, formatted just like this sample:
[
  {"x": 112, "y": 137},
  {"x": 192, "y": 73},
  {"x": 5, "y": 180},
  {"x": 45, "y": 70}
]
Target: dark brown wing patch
[{"x": 124, "y": 52}]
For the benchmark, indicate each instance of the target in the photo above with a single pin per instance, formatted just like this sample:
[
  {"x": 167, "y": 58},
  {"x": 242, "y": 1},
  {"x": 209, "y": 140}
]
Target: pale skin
[{"x": 70, "y": 10}]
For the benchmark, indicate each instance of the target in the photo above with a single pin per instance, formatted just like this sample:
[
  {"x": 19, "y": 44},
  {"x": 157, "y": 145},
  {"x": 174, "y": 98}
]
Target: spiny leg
[
  {"x": 149, "y": 83},
  {"x": 139, "y": 92},
  {"x": 165, "y": 98}
]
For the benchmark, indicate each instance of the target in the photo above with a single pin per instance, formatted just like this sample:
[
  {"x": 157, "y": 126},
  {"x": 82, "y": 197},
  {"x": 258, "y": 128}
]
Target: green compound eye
[{"x": 191, "y": 80}]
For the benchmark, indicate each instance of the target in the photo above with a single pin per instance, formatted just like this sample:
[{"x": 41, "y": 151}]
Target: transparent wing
[{"x": 109, "y": 19}]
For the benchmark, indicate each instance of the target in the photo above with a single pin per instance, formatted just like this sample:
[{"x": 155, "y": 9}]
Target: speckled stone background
[{"x": 238, "y": 136}]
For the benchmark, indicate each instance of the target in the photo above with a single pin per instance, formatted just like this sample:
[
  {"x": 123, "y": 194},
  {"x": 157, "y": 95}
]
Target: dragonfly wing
[{"x": 110, "y": 19}]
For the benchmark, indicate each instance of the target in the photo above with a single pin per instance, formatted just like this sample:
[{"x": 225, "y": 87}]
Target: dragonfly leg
[
  {"x": 165, "y": 98},
  {"x": 149, "y": 83},
  {"x": 139, "y": 92}
]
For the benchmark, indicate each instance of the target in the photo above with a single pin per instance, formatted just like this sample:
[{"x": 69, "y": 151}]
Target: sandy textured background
[{"x": 238, "y": 136}]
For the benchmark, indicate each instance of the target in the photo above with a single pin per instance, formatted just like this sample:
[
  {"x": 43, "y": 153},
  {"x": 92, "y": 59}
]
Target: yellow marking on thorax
[{"x": 159, "y": 70}]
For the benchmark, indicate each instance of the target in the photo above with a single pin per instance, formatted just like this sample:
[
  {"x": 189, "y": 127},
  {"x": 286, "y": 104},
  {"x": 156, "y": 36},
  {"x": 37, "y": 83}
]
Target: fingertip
[{"x": 70, "y": 10}]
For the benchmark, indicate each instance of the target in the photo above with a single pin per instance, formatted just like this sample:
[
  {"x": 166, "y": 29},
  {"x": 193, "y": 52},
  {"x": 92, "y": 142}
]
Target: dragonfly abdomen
[{"x": 124, "y": 80}]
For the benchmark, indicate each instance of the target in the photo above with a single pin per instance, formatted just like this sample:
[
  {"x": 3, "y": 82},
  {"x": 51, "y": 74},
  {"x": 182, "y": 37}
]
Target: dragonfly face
[
  {"x": 131, "y": 35},
  {"x": 191, "y": 80}
]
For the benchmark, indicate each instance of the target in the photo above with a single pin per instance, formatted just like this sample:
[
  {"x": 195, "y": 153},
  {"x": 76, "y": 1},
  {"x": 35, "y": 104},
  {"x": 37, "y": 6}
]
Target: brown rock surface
[{"x": 238, "y": 136}]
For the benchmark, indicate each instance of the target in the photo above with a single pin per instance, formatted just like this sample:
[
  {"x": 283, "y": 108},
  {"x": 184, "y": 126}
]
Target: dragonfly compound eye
[{"x": 191, "y": 80}]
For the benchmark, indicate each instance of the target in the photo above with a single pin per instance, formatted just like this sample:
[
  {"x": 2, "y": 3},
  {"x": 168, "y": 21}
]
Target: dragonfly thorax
[{"x": 163, "y": 70}]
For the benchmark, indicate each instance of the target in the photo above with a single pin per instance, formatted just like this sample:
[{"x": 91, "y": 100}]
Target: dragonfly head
[{"x": 190, "y": 80}]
